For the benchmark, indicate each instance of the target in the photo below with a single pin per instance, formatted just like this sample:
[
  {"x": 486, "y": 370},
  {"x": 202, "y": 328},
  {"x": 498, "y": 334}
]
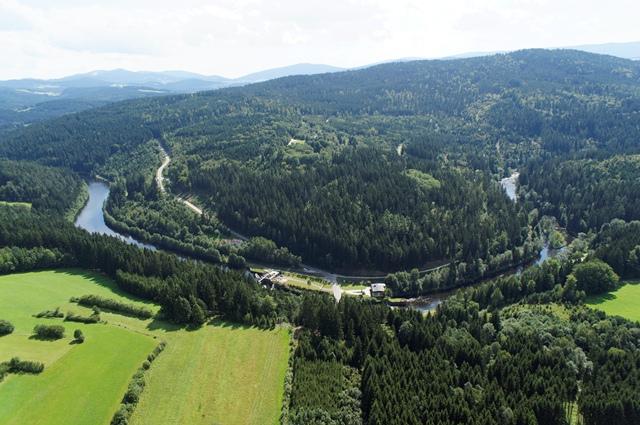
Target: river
[
  {"x": 432, "y": 301},
  {"x": 510, "y": 186},
  {"x": 91, "y": 218}
]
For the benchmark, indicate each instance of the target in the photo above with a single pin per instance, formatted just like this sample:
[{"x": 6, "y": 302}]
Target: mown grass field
[
  {"x": 219, "y": 374},
  {"x": 65, "y": 393},
  {"x": 625, "y": 302}
]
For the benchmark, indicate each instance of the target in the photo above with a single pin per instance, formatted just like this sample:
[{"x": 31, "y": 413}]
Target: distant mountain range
[
  {"x": 630, "y": 50},
  {"x": 29, "y": 100},
  {"x": 166, "y": 81}
]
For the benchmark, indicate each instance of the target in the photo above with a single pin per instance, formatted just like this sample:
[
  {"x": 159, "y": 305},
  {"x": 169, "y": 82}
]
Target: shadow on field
[
  {"x": 230, "y": 325},
  {"x": 101, "y": 280},
  {"x": 159, "y": 324},
  {"x": 39, "y": 338},
  {"x": 600, "y": 299}
]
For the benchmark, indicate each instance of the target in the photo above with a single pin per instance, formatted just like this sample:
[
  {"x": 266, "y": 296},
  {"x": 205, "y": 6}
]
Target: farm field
[
  {"x": 66, "y": 391},
  {"x": 625, "y": 302},
  {"x": 221, "y": 373}
]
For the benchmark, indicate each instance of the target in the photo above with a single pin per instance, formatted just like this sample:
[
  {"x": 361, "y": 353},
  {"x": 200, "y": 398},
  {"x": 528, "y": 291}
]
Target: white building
[{"x": 377, "y": 289}]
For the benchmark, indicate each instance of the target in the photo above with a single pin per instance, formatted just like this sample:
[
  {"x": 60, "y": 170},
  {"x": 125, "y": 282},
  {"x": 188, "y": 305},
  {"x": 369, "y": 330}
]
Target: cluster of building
[{"x": 269, "y": 277}]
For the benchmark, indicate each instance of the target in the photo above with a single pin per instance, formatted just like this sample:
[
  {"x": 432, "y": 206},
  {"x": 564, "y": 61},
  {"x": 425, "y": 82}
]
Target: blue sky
[{"x": 233, "y": 37}]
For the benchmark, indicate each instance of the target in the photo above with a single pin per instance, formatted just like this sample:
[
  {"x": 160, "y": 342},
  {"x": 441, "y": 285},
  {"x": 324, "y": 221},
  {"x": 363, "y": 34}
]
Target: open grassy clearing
[
  {"x": 315, "y": 284},
  {"x": 220, "y": 373},
  {"x": 312, "y": 284},
  {"x": 353, "y": 286},
  {"x": 74, "y": 373},
  {"x": 300, "y": 281},
  {"x": 625, "y": 302}
]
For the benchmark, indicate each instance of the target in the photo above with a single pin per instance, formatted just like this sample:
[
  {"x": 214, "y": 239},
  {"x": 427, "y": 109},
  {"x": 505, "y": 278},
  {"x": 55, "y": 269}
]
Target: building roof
[{"x": 378, "y": 287}]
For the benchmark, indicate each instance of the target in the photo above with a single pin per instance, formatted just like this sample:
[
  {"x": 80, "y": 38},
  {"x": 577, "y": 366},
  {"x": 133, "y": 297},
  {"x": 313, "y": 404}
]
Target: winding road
[
  {"x": 160, "y": 179},
  {"x": 508, "y": 184},
  {"x": 307, "y": 269}
]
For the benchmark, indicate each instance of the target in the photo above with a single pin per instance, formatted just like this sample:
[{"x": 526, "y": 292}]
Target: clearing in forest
[
  {"x": 26, "y": 205},
  {"x": 625, "y": 302}
]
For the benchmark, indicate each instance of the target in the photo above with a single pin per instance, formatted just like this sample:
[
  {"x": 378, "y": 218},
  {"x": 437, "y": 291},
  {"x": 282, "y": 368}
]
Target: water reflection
[
  {"x": 91, "y": 217},
  {"x": 434, "y": 300}
]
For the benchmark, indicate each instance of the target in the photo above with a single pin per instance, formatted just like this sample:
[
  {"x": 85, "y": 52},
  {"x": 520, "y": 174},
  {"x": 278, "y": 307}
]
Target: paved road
[
  {"x": 304, "y": 269},
  {"x": 160, "y": 170},
  {"x": 160, "y": 180}
]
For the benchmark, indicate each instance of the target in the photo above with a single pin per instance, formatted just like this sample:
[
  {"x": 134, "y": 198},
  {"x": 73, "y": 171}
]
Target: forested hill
[
  {"x": 369, "y": 167},
  {"x": 449, "y": 87},
  {"x": 531, "y": 93}
]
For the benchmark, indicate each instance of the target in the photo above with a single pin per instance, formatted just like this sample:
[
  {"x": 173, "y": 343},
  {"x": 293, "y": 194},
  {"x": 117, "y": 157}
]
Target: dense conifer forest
[
  {"x": 386, "y": 168},
  {"x": 46, "y": 189},
  {"x": 272, "y": 158},
  {"x": 584, "y": 194}
]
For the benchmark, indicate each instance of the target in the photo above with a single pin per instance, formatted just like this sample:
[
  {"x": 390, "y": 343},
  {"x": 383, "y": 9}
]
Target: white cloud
[{"x": 231, "y": 37}]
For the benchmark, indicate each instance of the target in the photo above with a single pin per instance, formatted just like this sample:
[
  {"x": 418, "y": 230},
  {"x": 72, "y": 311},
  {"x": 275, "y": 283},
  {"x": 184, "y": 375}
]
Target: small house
[{"x": 377, "y": 290}]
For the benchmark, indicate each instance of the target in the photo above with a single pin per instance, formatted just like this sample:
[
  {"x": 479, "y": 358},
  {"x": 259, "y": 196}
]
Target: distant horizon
[
  {"x": 459, "y": 55},
  {"x": 231, "y": 38}
]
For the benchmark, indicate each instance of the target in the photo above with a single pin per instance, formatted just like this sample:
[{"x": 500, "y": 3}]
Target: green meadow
[
  {"x": 74, "y": 373},
  {"x": 220, "y": 373},
  {"x": 625, "y": 302}
]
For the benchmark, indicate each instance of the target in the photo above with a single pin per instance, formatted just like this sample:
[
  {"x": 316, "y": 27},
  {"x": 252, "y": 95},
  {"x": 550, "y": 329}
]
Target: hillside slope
[{"x": 369, "y": 167}]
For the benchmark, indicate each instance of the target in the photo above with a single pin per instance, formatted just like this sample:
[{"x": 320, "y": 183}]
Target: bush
[
  {"x": 73, "y": 317},
  {"x": 595, "y": 277},
  {"x": 4, "y": 370},
  {"x": 121, "y": 417},
  {"x": 5, "y": 327},
  {"x": 50, "y": 314},
  {"x": 132, "y": 396},
  {"x": 115, "y": 306},
  {"x": 236, "y": 261},
  {"x": 78, "y": 336},
  {"x": 18, "y": 366},
  {"x": 48, "y": 331},
  {"x": 136, "y": 386}
]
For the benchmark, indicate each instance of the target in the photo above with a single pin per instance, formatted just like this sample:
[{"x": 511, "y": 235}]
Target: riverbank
[
  {"x": 94, "y": 219},
  {"x": 81, "y": 201},
  {"x": 334, "y": 277},
  {"x": 91, "y": 217},
  {"x": 510, "y": 185}
]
